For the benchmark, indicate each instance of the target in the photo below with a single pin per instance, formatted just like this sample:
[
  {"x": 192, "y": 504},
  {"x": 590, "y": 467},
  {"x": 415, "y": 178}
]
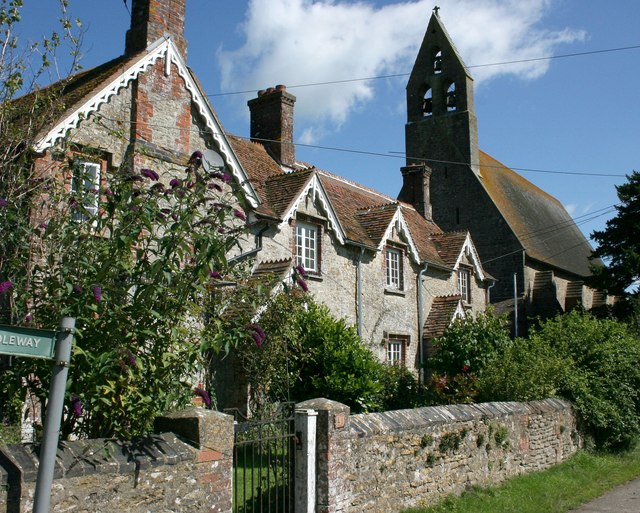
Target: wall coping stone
[
  {"x": 368, "y": 424},
  {"x": 98, "y": 456}
]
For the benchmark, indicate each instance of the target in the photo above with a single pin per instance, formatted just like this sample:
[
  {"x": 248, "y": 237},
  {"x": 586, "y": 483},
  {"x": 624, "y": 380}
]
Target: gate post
[{"x": 305, "y": 463}]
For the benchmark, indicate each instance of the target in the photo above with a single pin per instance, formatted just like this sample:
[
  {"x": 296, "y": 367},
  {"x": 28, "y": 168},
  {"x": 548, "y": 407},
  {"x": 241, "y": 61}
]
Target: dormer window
[
  {"x": 307, "y": 246},
  {"x": 393, "y": 265},
  {"x": 464, "y": 284}
]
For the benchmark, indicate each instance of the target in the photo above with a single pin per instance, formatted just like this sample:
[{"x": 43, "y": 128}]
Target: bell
[
  {"x": 437, "y": 65},
  {"x": 451, "y": 99},
  {"x": 427, "y": 106}
]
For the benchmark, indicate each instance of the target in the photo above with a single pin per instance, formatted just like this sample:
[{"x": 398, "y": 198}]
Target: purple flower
[
  {"x": 131, "y": 359},
  {"x": 174, "y": 217},
  {"x": 205, "y": 396},
  {"x": 190, "y": 185},
  {"x": 150, "y": 174},
  {"x": 257, "y": 333},
  {"x": 215, "y": 186},
  {"x": 77, "y": 289},
  {"x": 5, "y": 286},
  {"x": 196, "y": 157},
  {"x": 174, "y": 183},
  {"x": 222, "y": 230},
  {"x": 226, "y": 177},
  {"x": 28, "y": 317},
  {"x": 108, "y": 193},
  {"x": 42, "y": 226},
  {"x": 301, "y": 270},
  {"x": 239, "y": 214},
  {"x": 215, "y": 275},
  {"x": 3, "y": 202},
  {"x": 303, "y": 284},
  {"x": 97, "y": 293},
  {"x": 73, "y": 203},
  {"x": 76, "y": 406}
]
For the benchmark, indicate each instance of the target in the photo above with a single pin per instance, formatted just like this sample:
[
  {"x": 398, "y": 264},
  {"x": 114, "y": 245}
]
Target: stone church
[{"x": 524, "y": 236}]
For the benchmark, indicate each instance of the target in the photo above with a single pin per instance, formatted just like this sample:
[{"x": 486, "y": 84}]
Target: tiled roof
[
  {"x": 422, "y": 230},
  {"x": 259, "y": 166},
  {"x": 70, "y": 91},
  {"x": 541, "y": 224},
  {"x": 282, "y": 190},
  {"x": 275, "y": 268},
  {"x": 440, "y": 316},
  {"x": 449, "y": 246},
  {"x": 375, "y": 220}
]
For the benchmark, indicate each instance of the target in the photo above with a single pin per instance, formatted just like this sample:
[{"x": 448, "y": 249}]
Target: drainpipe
[
  {"x": 253, "y": 251},
  {"x": 359, "y": 290},
  {"x": 489, "y": 291},
  {"x": 421, "y": 322}
]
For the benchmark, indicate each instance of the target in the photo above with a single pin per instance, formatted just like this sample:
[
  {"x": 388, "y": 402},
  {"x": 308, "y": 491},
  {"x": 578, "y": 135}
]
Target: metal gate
[{"x": 263, "y": 462}]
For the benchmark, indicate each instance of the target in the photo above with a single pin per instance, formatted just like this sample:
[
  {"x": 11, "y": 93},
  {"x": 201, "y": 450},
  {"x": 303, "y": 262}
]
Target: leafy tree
[
  {"x": 619, "y": 243},
  {"x": 139, "y": 273}
]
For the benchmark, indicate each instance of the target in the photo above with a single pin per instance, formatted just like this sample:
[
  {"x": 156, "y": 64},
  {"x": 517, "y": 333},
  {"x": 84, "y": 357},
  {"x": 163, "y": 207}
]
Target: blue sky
[{"x": 577, "y": 114}]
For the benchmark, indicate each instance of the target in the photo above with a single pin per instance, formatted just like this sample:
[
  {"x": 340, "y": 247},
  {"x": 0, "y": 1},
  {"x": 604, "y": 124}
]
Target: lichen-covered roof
[
  {"x": 440, "y": 316},
  {"x": 275, "y": 268},
  {"x": 539, "y": 221}
]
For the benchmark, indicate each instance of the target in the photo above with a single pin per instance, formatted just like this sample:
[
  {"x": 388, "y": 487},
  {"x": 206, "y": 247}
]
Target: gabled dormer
[{"x": 441, "y": 123}]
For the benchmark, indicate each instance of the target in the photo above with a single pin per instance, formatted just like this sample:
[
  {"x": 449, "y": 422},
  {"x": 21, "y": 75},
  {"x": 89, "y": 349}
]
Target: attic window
[
  {"x": 307, "y": 246},
  {"x": 393, "y": 265}
]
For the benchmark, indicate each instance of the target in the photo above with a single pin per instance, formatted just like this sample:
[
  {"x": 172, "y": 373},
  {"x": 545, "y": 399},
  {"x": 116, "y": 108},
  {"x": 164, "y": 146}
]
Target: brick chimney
[
  {"x": 416, "y": 188},
  {"x": 153, "y": 19},
  {"x": 272, "y": 123}
]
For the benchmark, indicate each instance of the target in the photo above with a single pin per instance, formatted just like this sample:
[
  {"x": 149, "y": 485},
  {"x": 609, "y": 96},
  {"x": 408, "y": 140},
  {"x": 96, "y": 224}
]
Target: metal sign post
[{"x": 54, "y": 415}]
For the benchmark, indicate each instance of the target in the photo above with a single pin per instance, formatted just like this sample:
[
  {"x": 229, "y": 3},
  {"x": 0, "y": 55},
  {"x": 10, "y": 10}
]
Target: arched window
[
  {"x": 427, "y": 103},
  {"x": 437, "y": 62},
  {"x": 451, "y": 97}
]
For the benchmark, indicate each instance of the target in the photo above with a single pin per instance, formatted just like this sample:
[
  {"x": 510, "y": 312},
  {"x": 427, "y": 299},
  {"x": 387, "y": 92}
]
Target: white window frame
[
  {"x": 307, "y": 247},
  {"x": 397, "y": 349},
  {"x": 464, "y": 284},
  {"x": 393, "y": 265},
  {"x": 89, "y": 173}
]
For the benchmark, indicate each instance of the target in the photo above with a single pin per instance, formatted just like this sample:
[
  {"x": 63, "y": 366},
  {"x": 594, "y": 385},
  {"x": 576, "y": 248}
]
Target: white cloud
[{"x": 297, "y": 42}]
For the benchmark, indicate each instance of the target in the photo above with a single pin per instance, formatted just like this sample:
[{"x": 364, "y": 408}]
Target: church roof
[{"x": 541, "y": 224}]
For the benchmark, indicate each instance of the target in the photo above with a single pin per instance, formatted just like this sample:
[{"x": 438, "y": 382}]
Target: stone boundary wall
[
  {"x": 188, "y": 468},
  {"x": 386, "y": 462}
]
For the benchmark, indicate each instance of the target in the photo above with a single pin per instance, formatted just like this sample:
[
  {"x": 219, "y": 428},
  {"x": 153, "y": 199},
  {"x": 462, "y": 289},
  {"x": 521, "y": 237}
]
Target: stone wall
[
  {"x": 187, "y": 468},
  {"x": 386, "y": 462}
]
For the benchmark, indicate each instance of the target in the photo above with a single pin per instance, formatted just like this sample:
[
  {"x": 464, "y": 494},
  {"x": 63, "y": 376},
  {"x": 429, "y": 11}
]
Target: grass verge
[{"x": 557, "y": 490}]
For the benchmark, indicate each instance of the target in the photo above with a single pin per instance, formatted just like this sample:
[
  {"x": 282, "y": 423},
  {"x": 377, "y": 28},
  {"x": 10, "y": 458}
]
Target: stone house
[
  {"x": 381, "y": 263},
  {"x": 520, "y": 230}
]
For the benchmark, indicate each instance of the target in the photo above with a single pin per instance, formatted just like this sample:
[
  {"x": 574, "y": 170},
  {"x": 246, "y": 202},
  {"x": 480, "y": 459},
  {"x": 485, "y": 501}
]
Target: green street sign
[{"x": 27, "y": 342}]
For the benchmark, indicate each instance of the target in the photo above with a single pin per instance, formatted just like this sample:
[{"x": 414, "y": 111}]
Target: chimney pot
[{"x": 281, "y": 87}]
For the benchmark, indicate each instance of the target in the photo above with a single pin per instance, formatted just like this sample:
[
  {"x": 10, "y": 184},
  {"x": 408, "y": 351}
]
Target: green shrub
[
  {"x": 400, "y": 388},
  {"x": 331, "y": 361},
  {"x": 591, "y": 362},
  {"x": 526, "y": 370},
  {"x": 468, "y": 345}
]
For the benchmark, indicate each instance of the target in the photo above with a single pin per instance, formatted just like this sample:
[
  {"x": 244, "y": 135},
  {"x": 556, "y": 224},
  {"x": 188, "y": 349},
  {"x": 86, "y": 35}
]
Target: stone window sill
[{"x": 394, "y": 292}]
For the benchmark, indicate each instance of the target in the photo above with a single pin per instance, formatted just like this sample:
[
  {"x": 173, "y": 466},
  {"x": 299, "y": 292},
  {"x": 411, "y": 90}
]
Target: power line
[{"x": 397, "y": 75}]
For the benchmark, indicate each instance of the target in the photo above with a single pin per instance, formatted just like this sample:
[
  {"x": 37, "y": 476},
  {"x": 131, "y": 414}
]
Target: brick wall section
[
  {"x": 152, "y": 19},
  {"x": 386, "y": 462},
  {"x": 189, "y": 473}
]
